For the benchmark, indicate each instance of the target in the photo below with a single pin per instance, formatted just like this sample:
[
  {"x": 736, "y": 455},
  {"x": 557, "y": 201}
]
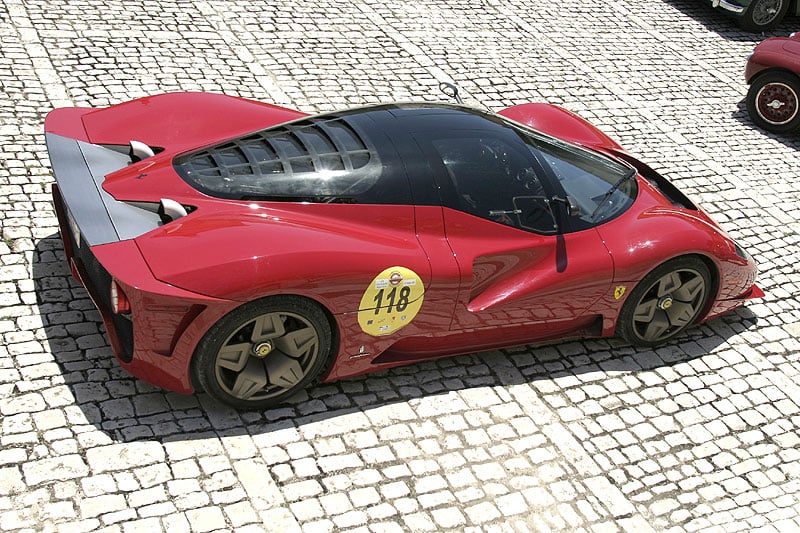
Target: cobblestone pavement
[{"x": 700, "y": 434}]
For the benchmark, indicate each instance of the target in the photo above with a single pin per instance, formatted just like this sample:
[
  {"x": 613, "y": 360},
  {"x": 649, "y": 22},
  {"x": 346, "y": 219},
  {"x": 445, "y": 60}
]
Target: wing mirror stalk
[{"x": 569, "y": 202}]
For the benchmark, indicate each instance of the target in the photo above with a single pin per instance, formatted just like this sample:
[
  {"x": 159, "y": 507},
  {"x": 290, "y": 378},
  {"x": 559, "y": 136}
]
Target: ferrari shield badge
[
  {"x": 619, "y": 291},
  {"x": 391, "y": 301}
]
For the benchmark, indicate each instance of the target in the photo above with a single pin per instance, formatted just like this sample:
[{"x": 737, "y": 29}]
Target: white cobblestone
[
  {"x": 124, "y": 456},
  {"x": 55, "y": 468}
]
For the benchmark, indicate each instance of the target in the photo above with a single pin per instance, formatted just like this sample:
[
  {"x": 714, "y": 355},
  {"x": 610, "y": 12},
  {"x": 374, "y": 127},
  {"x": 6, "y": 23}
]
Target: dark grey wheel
[
  {"x": 773, "y": 101},
  {"x": 763, "y": 15},
  {"x": 263, "y": 352},
  {"x": 667, "y": 301}
]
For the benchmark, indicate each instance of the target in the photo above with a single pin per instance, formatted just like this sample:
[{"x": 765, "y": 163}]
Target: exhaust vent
[{"x": 139, "y": 151}]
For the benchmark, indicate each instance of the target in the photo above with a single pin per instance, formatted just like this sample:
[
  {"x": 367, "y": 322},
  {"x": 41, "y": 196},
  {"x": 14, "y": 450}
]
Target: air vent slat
[{"x": 314, "y": 157}]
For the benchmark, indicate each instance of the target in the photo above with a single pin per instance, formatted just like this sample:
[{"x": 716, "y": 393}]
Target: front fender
[
  {"x": 661, "y": 235},
  {"x": 561, "y": 123},
  {"x": 774, "y": 53}
]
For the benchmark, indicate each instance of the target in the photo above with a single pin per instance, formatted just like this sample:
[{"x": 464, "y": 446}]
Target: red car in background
[
  {"x": 248, "y": 250},
  {"x": 773, "y": 73}
]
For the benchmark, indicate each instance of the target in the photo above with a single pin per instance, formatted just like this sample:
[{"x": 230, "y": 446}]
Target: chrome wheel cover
[{"x": 777, "y": 103}]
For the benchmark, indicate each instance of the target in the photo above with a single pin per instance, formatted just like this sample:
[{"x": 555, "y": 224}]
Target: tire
[
  {"x": 773, "y": 101},
  {"x": 666, "y": 302},
  {"x": 263, "y": 352},
  {"x": 763, "y": 15}
]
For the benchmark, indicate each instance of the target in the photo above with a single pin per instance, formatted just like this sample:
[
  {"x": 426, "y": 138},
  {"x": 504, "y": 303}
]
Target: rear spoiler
[{"x": 80, "y": 168}]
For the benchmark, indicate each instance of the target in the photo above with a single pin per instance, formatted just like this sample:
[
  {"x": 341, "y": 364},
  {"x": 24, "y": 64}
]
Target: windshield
[{"x": 599, "y": 186}]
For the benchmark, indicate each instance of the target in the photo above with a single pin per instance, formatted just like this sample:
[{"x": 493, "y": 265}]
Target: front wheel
[
  {"x": 773, "y": 101},
  {"x": 763, "y": 15},
  {"x": 667, "y": 301},
  {"x": 263, "y": 352}
]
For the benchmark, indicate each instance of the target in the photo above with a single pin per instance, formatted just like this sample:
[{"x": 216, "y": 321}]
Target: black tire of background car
[
  {"x": 785, "y": 87},
  {"x": 688, "y": 268},
  {"x": 760, "y": 17},
  {"x": 298, "y": 313}
]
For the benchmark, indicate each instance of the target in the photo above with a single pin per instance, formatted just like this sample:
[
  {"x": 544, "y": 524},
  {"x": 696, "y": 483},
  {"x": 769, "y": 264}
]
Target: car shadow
[
  {"x": 790, "y": 139},
  {"x": 725, "y": 25},
  {"x": 127, "y": 409}
]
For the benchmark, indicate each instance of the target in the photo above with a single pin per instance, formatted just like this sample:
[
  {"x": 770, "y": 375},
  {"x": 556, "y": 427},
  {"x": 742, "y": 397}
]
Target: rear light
[{"x": 119, "y": 302}]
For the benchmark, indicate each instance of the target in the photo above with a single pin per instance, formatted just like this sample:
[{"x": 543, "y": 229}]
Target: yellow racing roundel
[{"x": 391, "y": 301}]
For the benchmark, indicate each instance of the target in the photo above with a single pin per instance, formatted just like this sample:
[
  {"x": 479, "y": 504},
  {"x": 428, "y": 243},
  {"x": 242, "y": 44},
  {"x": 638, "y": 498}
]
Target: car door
[
  {"x": 508, "y": 232},
  {"x": 414, "y": 292}
]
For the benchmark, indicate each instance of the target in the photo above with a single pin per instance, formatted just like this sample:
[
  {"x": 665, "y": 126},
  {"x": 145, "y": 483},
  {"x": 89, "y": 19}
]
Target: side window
[{"x": 496, "y": 179}]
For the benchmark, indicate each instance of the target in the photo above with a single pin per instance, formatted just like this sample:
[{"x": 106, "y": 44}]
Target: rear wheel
[
  {"x": 773, "y": 101},
  {"x": 263, "y": 352},
  {"x": 667, "y": 301}
]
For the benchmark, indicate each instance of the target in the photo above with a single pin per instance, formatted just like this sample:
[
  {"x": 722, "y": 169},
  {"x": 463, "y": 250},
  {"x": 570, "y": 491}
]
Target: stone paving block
[
  {"x": 12, "y": 481},
  {"x": 52, "y": 469},
  {"x": 124, "y": 456},
  {"x": 97, "y": 505}
]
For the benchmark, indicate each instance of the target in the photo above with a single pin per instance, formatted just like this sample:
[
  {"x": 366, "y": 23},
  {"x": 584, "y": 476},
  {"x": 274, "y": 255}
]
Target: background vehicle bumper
[{"x": 728, "y": 6}]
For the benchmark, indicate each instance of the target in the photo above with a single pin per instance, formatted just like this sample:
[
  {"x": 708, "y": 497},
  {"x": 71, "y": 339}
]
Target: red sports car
[
  {"x": 248, "y": 249},
  {"x": 773, "y": 72}
]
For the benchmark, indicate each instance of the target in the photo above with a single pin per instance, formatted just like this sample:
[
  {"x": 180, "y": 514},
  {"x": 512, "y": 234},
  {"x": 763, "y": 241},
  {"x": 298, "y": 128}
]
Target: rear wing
[{"x": 94, "y": 216}]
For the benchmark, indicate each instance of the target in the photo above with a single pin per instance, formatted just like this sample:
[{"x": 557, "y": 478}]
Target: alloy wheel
[
  {"x": 669, "y": 305},
  {"x": 266, "y": 356}
]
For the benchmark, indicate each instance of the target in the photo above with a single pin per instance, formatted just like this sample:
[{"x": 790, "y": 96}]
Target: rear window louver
[{"x": 296, "y": 160}]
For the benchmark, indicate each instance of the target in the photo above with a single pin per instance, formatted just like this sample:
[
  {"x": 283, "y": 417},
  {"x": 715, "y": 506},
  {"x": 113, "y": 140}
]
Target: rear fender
[
  {"x": 174, "y": 121},
  {"x": 240, "y": 252}
]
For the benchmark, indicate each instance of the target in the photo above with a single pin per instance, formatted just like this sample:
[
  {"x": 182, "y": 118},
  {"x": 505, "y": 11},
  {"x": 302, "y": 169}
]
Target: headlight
[{"x": 741, "y": 252}]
